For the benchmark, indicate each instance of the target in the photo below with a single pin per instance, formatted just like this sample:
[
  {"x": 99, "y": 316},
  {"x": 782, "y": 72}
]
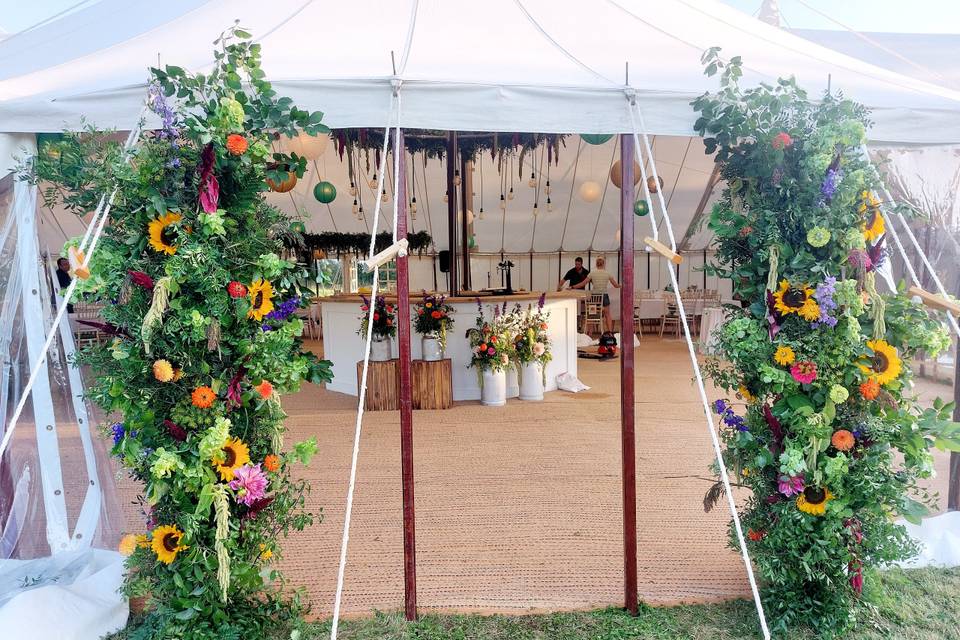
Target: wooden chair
[
  {"x": 593, "y": 313},
  {"x": 85, "y": 334},
  {"x": 670, "y": 320},
  {"x": 637, "y": 323}
]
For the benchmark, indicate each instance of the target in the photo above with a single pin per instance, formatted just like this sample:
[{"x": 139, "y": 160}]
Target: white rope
[
  {"x": 888, "y": 198},
  {"x": 702, "y": 389},
  {"x": 96, "y": 227},
  {"x": 344, "y": 543}
]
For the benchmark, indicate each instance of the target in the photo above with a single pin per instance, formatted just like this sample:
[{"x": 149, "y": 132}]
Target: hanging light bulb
[
  {"x": 481, "y": 213},
  {"x": 413, "y": 214},
  {"x": 535, "y": 211},
  {"x": 353, "y": 189},
  {"x": 413, "y": 205},
  {"x": 510, "y": 195},
  {"x": 549, "y": 204},
  {"x": 373, "y": 181},
  {"x": 503, "y": 202},
  {"x": 456, "y": 178},
  {"x": 383, "y": 197},
  {"x": 547, "y": 189},
  {"x": 355, "y": 209},
  {"x": 360, "y": 215},
  {"x": 532, "y": 182},
  {"x": 446, "y": 196}
]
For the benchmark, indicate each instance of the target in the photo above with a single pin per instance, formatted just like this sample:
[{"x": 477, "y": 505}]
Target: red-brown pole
[
  {"x": 628, "y": 443},
  {"x": 406, "y": 403}
]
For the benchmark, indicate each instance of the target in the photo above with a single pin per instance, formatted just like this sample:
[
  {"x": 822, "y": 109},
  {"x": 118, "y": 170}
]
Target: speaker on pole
[{"x": 443, "y": 258}]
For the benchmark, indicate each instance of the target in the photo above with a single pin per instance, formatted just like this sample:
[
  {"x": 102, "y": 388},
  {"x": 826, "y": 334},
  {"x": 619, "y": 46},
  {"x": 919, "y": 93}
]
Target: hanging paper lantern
[
  {"x": 618, "y": 237},
  {"x": 472, "y": 242},
  {"x": 616, "y": 173},
  {"x": 286, "y": 185},
  {"x": 641, "y": 208},
  {"x": 652, "y": 184},
  {"x": 307, "y": 146},
  {"x": 590, "y": 191},
  {"x": 298, "y": 227},
  {"x": 469, "y": 216},
  {"x": 595, "y": 138},
  {"x": 325, "y": 192}
]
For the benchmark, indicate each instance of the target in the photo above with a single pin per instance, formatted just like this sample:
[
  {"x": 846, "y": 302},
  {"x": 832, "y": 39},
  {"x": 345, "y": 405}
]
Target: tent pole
[
  {"x": 452, "y": 213},
  {"x": 627, "y": 437},
  {"x": 466, "y": 203},
  {"x": 406, "y": 402}
]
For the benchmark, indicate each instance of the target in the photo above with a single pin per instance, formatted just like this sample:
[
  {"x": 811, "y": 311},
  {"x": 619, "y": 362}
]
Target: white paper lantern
[
  {"x": 469, "y": 216},
  {"x": 590, "y": 191},
  {"x": 618, "y": 237},
  {"x": 310, "y": 147}
]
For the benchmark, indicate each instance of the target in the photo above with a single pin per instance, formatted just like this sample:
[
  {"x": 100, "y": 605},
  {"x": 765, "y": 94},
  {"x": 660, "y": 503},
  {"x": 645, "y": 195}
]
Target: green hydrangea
[
  {"x": 792, "y": 462},
  {"x": 847, "y": 294},
  {"x": 271, "y": 265},
  {"x": 818, "y": 237},
  {"x": 232, "y": 113},
  {"x": 165, "y": 463},
  {"x": 839, "y": 394},
  {"x": 836, "y": 467},
  {"x": 213, "y": 223},
  {"x": 853, "y": 239},
  {"x": 214, "y": 439}
]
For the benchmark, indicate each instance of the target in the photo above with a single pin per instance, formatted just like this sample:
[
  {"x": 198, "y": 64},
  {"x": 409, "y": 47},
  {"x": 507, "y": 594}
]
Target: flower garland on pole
[
  {"x": 826, "y": 435},
  {"x": 206, "y": 340}
]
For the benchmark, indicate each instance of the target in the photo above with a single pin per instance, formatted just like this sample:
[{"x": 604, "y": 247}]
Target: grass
[{"x": 917, "y": 604}]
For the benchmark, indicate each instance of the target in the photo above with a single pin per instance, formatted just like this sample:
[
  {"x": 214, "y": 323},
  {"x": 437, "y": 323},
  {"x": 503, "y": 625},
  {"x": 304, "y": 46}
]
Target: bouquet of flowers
[
  {"x": 433, "y": 317},
  {"x": 531, "y": 342},
  {"x": 384, "y": 318},
  {"x": 490, "y": 345}
]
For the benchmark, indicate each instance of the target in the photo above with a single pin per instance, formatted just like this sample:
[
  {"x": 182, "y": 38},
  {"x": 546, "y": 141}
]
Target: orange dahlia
[
  {"x": 843, "y": 440},
  {"x": 271, "y": 463},
  {"x": 264, "y": 389},
  {"x": 237, "y": 144},
  {"x": 870, "y": 389},
  {"x": 203, "y": 397}
]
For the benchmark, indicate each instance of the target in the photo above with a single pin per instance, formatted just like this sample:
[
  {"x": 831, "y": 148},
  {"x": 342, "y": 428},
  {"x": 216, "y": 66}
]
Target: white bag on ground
[
  {"x": 939, "y": 539},
  {"x": 69, "y": 596},
  {"x": 583, "y": 340},
  {"x": 636, "y": 340},
  {"x": 569, "y": 382}
]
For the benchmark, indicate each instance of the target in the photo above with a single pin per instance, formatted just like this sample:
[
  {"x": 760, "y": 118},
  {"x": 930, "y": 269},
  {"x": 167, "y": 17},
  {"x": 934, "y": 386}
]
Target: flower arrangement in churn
[
  {"x": 532, "y": 342},
  {"x": 432, "y": 317},
  {"x": 488, "y": 342},
  {"x": 384, "y": 318}
]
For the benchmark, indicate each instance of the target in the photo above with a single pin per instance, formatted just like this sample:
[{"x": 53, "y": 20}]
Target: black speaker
[{"x": 444, "y": 258}]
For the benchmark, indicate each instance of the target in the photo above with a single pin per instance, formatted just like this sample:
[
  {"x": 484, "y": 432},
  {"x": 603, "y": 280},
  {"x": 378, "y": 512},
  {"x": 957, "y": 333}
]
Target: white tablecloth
[
  {"x": 711, "y": 320},
  {"x": 651, "y": 308}
]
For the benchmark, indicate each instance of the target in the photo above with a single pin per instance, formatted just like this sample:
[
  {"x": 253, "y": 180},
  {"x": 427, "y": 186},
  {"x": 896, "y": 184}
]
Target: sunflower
[
  {"x": 233, "y": 455},
  {"x": 873, "y": 225},
  {"x": 814, "y": 500},
  {"x": 885, "y": 365},
  {"x": 799, "y": 300},
  {"x": 261, "y": 299},
  {"x": 160, "y": 237},
  {"x": 784, "y": 356},
  {"x": 746, "y": 395},
  {"x": 166, "y": 543}
]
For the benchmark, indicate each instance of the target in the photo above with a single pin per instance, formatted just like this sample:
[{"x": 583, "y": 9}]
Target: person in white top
[{"x": 601, "y": 280}]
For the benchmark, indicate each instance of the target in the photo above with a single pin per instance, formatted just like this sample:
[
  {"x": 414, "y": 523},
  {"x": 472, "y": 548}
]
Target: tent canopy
[{"x": 497, "y": 65}]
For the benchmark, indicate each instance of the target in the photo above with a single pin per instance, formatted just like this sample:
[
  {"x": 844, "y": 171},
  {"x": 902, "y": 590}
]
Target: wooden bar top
[{"x": 466, "y": 297}]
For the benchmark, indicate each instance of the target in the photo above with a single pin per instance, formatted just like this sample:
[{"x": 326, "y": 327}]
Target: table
[{"x": 711, "y": 320}]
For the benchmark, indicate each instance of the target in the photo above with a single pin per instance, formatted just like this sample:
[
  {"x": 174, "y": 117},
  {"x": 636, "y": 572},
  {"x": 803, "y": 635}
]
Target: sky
[{"x": 906, "y": 16}]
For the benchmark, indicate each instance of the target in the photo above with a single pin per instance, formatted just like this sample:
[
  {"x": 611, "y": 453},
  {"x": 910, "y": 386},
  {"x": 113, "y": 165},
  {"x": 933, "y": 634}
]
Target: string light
[
  {"x": 456, "y": 177},
  {"x": 532, "y": 182},
  {"x": 510, "y": 195},
  {"x": 547, "y": 189},
  {"x": 503, "y": 202},
  {"x": 353, "y": 188},
  {"x": 549, "y": 204},
  {"x": 413, "y": 205},
  {"x": 373, "y": 181},
  {"x": 356, "y": 209},
  {"x": 481, "y": 213},
  {"x": 446, "y": 196},
  {"x": 383, "y": 197},
  {"x": 535, "y": 211}
]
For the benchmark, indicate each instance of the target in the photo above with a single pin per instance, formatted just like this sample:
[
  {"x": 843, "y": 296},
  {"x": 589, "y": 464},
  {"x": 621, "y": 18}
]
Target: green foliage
[
  {"x": 831, "y": 442},
  {"x": 202, "y": 306}
]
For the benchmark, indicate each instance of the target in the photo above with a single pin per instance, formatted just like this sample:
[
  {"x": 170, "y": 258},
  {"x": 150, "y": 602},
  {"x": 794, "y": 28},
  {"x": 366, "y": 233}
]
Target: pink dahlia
[
  {"x": 790, "y": 485},
  {"x": 804, "y": 372},
  {"x": 250, "y": 483}
]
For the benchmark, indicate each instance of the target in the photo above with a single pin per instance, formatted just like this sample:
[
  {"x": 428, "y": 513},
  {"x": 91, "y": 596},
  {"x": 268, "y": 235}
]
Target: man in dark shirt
[
  {"x": 63, "y": 277},
  {"x": 576, "y": 275}
]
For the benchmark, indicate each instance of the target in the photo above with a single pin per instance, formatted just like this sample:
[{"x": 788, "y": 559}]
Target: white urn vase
[
  {"x": 531, "y": 381},
  {"x": 431, "y": 349},
  {"x": 513, "y": 381},
  {"x": 493, "y": 393},
  {"x": 380, "y": 349}
]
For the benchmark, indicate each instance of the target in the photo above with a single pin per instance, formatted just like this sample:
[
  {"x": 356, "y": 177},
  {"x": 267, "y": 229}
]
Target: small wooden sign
[
  {"x": 935, "y": 301},
  {"x": 664, "y": 250}
]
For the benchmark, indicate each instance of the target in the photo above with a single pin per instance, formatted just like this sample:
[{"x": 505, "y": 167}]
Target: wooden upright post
[
  {"x": 627, "y": 437},
  {"x": 452, "y": 213},
  {"x": 406, "y": 402},
  {"x": 466, "y": 202}
]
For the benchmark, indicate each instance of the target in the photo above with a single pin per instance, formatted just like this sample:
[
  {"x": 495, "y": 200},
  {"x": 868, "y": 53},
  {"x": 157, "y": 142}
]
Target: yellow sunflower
[
  {"x": 784, "y": 356},
  {"x": 873, "y": 225},
  {"x": 745, "y": 394},
  {"x": 799, "y": 300},
  {"x": 261, "y": 299},
  {"x": 160, "y": 237},
  {"x": 814, "y": 500},
  {"x": 885, "y": 365},
  {"x": 234, "y": 455},
  {"x": 166, "y": 543}
]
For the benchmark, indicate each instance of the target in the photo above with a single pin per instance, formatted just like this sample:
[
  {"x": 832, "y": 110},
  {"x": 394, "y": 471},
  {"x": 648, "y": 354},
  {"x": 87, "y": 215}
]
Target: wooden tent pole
[
  {"x": 466, "y": 203},
  {"x": 406, "y": 404},
  {"x": 627, "y": 436},
  {"x": 452, "y": 213}
]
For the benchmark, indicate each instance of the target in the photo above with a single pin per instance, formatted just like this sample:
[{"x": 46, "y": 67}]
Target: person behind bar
[
  {"x": 600, "y": 280},
  {"x": 63, "y": 278},
  {"x": 576, "y": 275}
]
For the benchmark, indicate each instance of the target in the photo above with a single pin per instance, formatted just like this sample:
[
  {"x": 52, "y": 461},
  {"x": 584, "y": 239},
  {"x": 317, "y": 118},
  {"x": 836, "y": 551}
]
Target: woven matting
[{"x": 518, "y": 508}]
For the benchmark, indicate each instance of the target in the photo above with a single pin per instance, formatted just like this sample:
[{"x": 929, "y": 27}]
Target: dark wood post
[
  {"x": 627, "y": 437},
  {"x": 466, "y": 202},
  {"x": 406, "y": 403},
  {"x": 452, "y": 213}
]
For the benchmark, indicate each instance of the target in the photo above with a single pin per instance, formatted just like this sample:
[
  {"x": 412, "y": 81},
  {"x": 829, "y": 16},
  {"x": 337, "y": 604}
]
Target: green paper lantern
[
  {"x": 641, "y": 208},
  {"x": 298, "y": 227},
  {"x": 325, "y": 192},
  {"x": 472, "y": 242},
  {"x": 595, "y": 138}
]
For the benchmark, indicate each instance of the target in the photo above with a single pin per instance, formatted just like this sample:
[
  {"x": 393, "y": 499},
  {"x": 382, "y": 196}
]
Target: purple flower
[
  {"x": 157, "y": 102},
  {"x": 830, "y": 184},
  {"x": 250, "y": 484},
  {"x": 118, "y": 432},
  {"x": 284, "y": 310},
  {"x": 541, "y": 300},
  {"x": 790, "y": 485},
  {"x": 720, "y": 407},
  {"x": 824, "y": 297}
]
